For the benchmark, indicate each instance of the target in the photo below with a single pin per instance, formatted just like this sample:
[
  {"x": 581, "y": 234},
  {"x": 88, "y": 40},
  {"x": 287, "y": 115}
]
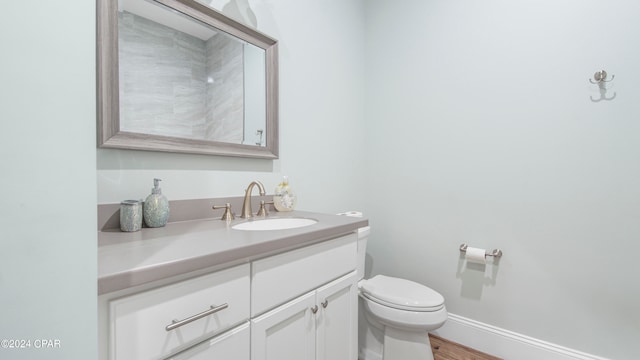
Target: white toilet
[{"x": 395, "y": 314}]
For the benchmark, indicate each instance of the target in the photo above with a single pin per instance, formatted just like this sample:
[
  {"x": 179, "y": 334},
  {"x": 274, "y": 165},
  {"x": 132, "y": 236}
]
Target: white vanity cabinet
[
  {"x": 321, "y": 320},
  {"x": 337, "y": 319},
  {"x": 156, "y": 323},
  {"x": 283, "y": 277},
  {"x": 298, "y": 304},
  {"x": 232, "y": 345},
  {"x": 286, "y": 333},
  {"x": 320, "y": 325}
]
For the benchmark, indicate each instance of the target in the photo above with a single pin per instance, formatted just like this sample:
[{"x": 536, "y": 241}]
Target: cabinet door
[
  {"x": 232, "y": 345},
  {"x": 287, "y": 332},
  {"x": 337, "y": 320}
]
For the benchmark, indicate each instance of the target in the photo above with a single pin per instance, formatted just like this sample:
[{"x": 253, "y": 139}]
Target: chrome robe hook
[{"x": 600, "y": 78}]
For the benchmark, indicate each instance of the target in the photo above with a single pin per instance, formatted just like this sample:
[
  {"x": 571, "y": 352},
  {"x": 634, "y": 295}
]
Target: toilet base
[
  {"x": 377, "y": 341},
  {"x": 402, "y": 345}
]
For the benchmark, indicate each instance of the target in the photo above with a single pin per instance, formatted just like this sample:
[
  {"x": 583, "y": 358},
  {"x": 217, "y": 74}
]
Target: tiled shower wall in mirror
[{"x": 171, "y": 81}]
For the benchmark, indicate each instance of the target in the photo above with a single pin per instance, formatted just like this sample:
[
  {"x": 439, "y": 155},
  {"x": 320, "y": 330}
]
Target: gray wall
[
  {"x": 481, "y": 129},
  {"x": 47, "y": 188}
]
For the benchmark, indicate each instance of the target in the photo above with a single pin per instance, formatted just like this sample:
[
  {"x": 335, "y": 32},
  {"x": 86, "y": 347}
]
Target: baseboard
[{"x": 505, "y": 344}]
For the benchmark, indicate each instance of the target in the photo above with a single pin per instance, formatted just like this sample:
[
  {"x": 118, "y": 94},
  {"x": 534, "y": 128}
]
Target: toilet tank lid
[{"x": 401, "y": 292}]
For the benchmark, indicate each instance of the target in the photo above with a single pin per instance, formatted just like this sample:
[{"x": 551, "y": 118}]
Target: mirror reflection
[
  {"x": 179, "y": 76},
  {"x": 183, "y": 78}
]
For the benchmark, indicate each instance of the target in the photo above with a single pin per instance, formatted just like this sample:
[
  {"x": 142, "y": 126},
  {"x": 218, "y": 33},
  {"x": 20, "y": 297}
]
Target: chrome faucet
[{"x": 246, "y": 205}]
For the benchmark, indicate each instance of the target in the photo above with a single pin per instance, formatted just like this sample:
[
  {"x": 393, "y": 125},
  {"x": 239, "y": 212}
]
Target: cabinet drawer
[
  {"x": 138, "y": 322},
  {"x": 235, "y": 344},
  {"x": 282, "y": 277}
]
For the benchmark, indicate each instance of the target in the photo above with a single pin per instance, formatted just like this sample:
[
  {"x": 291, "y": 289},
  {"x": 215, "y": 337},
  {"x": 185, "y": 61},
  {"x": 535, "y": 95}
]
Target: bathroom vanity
[{"x": 203, "y": 290}]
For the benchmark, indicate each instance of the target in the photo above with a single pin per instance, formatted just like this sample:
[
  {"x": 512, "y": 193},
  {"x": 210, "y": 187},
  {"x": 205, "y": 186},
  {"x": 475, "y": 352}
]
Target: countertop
[{"x": 129, "y": 259}]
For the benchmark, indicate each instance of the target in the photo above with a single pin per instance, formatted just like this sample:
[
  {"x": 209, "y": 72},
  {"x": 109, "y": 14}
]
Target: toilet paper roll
[{"x": 475, "y": 255}]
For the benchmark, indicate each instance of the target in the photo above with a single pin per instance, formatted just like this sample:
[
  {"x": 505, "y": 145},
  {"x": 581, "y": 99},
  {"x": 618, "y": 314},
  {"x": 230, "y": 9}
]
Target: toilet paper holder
[{"x": 496, "y": 253}]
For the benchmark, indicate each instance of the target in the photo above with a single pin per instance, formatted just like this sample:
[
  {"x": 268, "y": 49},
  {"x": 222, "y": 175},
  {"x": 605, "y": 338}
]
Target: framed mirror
[{"x": 178, "y": 76}]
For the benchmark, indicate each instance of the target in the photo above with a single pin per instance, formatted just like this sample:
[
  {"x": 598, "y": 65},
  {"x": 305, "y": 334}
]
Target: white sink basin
[{"x": 274, "y": 224}]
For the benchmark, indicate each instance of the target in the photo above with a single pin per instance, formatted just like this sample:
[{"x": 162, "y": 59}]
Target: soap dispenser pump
[{"x": 156, "y": 207}]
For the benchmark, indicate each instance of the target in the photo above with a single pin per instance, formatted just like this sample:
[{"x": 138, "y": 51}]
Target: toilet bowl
[
  {"x": 403, "y": 304},
  {"x": 395, "y": 315}
]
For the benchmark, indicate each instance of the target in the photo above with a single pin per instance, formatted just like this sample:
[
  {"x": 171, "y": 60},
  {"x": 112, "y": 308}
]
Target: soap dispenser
[
  {"x": 284, "y": 199},
  {"x": 156, "y": 207}
]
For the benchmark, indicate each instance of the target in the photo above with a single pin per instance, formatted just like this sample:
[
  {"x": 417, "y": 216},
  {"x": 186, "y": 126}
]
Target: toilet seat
[{"x": 401, "y": 294}]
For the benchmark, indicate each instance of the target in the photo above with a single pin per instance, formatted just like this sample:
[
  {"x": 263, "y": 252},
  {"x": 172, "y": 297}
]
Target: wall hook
[{"x": 600, "y": 78}]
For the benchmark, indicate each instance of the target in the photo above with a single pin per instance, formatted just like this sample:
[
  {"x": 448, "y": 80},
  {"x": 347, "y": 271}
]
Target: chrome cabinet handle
[
  {"x": 325, "y": 303},
  {"x": 314, "y": 309},
  {"x": 177, "y": 323}
]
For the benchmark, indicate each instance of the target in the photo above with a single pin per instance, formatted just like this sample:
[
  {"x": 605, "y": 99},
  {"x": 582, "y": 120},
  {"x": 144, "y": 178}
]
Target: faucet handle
[
  {"x": 263, "y": 209},
  {"x": 228, "y": 215}
]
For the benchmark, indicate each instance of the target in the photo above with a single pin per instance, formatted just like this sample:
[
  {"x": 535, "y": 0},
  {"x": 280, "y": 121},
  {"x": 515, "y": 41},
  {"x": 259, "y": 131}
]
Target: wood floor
[{"x": 447, "y": 350}]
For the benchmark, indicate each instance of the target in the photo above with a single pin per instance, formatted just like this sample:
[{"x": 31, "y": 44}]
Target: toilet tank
[{"x": 363, "y": 236}]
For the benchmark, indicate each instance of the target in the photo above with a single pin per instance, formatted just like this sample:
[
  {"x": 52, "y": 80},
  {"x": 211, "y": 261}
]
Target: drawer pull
[
  {"x": 314, "y": 309},
  {"x": 177, "y": 323},
  {"x": 325, "y": 303}
]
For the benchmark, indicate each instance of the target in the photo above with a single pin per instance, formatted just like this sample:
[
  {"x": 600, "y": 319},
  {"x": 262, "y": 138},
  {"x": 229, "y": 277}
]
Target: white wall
[
  {"x": 321, "y": 120},
  {"x": 481, "y": 130},
  {"x": 47, "y": 186}
]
